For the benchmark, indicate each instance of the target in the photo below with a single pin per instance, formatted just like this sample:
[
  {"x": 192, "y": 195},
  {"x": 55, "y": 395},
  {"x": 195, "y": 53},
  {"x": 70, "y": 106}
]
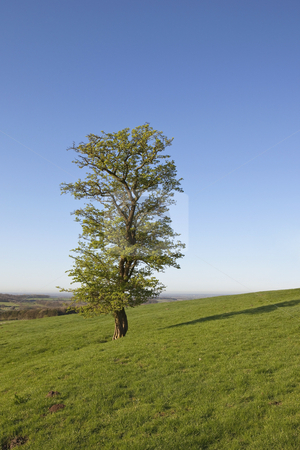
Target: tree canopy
[{"x": 126, "y": 231}]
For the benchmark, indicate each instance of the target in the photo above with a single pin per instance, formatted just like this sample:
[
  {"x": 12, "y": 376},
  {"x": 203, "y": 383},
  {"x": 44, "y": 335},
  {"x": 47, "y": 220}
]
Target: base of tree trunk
[{"x": 121, "y": 324}]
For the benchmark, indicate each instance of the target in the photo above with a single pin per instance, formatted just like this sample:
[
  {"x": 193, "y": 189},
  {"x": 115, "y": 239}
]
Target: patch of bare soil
[
  {"x": 15, "y": 442},
  {"x": 55, "y": 408},
  {"x": 52, "y": 394}
]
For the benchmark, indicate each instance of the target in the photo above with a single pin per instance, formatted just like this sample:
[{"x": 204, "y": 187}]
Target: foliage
[{"x": 132, "y": 181}]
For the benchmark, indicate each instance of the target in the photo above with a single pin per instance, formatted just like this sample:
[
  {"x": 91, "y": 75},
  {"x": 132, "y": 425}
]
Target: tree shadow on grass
[{"x": 259, "y": 310}]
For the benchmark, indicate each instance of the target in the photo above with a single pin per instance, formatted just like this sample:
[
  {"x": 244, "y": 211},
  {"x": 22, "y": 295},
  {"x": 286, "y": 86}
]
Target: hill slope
[{"x": 216, "y": 373}]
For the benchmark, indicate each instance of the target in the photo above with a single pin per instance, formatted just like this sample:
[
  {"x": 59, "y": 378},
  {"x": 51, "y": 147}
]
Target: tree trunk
[{"x": 121, "y": 324}]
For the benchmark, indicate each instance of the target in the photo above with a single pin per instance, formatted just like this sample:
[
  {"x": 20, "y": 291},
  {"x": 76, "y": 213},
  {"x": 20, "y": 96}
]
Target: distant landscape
[
  {"x": 37, "y": 306},
  {"x": 33, "y": 306}
]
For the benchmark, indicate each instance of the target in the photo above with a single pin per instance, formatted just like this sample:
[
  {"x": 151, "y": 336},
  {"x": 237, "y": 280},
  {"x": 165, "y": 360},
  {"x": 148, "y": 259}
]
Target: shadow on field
[{"x": 259, "y": 310}]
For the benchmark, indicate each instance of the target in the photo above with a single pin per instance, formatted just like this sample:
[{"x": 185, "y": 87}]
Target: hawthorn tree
[{"x": 129, "y": 236}]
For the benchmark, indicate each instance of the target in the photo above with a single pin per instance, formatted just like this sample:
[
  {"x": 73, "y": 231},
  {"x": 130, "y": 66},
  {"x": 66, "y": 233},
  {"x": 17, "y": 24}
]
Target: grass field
[{"x": 216, "y": 373}]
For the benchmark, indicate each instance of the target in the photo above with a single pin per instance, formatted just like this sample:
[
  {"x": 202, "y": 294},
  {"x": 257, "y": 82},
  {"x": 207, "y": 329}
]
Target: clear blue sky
[{"x": 222, "y": 78}]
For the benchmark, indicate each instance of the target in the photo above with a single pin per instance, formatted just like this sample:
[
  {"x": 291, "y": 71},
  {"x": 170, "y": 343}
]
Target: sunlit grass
[{"x": 217, "y": 373}]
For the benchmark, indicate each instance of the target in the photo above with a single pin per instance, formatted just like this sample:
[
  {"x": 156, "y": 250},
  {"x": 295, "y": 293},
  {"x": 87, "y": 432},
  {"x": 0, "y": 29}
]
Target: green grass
[{"x": 216, "y": 373}]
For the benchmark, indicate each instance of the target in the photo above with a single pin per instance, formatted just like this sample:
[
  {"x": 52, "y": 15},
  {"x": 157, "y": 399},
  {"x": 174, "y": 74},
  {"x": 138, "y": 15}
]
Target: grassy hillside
[{"x": 216, "y": 373}]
